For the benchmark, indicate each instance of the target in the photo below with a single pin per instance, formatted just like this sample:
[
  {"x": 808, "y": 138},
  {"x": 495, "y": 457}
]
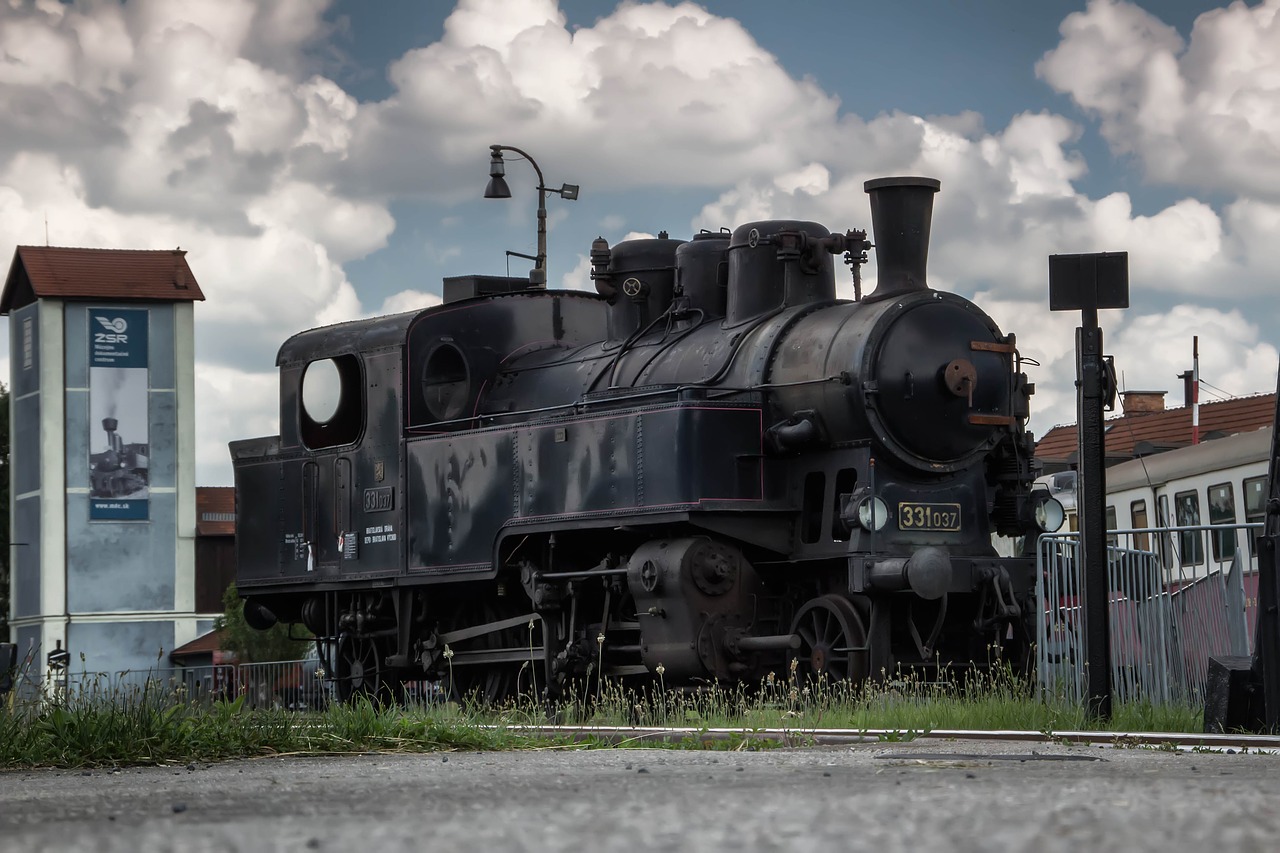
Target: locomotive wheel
[
  {"x": 491, "y": 683},
  {"x": 832, "y": 641},
  {"x": 361, "y": 672}
]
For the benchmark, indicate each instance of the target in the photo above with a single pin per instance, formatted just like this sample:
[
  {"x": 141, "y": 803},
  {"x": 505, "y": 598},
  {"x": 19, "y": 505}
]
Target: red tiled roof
[
  {"x": 1167, "y": 429},
  {"x": 204, "y": 644},
  {"x": 215, "y": 511},
  {"x": 115, "y": 274}
]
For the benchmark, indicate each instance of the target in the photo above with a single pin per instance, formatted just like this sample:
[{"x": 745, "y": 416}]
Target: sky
[{"x": 322, "y": 161}]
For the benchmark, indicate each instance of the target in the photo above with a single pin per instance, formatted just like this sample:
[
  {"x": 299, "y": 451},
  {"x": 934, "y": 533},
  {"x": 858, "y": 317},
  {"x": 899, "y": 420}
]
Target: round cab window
[
  {"x": 321, "y": 390},
  {"x": 446, "y": 383}
]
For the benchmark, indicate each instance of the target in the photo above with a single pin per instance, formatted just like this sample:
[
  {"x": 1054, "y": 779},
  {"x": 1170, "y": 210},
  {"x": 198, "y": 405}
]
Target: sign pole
[{"x": 1087, "y": 283}]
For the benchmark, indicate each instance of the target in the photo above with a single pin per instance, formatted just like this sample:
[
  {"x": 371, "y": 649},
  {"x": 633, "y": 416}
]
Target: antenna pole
[{"x": 1195, "y": 389}]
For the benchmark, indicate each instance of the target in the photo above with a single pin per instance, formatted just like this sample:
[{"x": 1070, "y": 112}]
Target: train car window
[
  {"x": 446, "y": 383},
  {"x": 1186, "y": 508},
  {"x": 846, "y": 481},
  {"x": 1162, "y": 520},
  {"x": 332, "y": 409},
  {"x": 811, "y": 510},
  {"x": 1222, "y": 510},
  {"x": 1255, "y": 508},
  {"x": 1138, "y": 512},
  {"x": 1112, "y": 524}
]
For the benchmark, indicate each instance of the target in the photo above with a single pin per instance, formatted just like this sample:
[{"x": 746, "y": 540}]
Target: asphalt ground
[{"x": 928, "y": 794}]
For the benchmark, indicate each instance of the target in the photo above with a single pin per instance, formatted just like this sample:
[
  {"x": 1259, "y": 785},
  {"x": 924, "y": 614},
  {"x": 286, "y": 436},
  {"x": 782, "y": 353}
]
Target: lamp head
[{"x": 497, "y": 187}]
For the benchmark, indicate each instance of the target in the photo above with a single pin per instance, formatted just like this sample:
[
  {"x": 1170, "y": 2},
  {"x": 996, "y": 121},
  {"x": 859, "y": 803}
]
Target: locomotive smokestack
[
  {"x": 901, "y": 212},
  {"x": 114, "y": 442}
]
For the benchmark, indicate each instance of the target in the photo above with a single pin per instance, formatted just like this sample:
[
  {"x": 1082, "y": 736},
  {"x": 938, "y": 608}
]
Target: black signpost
[{"x": 1087, "y": 283}]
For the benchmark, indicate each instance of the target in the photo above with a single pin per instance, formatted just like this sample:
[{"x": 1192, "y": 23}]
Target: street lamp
[{"x": 498, "y": 188}]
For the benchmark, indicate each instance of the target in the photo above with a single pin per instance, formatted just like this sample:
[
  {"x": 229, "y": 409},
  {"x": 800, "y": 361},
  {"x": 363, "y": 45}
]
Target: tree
[{"x": 250, "y": 645}]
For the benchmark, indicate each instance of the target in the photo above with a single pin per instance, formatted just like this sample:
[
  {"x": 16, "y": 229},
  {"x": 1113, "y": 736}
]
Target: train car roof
[
  {"x": 1219, "y": 454},
  {"x": 353, "y": 335},
  {"x": 389, "y": 330}
]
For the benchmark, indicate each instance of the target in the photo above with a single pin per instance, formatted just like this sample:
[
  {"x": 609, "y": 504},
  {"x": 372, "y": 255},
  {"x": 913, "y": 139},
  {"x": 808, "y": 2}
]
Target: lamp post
[{"x": 498, "y": 188}]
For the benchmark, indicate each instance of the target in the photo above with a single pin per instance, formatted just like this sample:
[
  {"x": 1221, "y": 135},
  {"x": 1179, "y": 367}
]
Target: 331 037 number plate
[{"x": 928, "y": 516}]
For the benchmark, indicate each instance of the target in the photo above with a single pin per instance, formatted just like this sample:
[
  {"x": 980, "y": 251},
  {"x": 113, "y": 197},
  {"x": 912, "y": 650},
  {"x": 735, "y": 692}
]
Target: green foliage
[{"x": 252, "y": 646}]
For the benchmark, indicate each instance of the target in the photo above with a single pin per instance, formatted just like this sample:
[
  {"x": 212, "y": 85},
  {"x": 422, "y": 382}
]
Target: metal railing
[
  {"x": 1176, "y": 597},
  {"x": 299, "y": 685}
]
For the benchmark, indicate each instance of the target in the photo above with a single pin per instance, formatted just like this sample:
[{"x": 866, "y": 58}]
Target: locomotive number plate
[{"x": 922, "y": 516}]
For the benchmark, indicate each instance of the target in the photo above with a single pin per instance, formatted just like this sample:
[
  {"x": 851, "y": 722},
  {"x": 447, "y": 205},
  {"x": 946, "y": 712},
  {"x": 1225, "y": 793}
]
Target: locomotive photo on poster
[
  {"x": 711, "y": 469},
  {"x": 118, "y": 415}
]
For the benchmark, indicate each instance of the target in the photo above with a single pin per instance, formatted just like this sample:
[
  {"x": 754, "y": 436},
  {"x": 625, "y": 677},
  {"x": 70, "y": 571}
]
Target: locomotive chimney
[
  {"x": 114, "y": 442},
  {"x": 901, "y": 211}
]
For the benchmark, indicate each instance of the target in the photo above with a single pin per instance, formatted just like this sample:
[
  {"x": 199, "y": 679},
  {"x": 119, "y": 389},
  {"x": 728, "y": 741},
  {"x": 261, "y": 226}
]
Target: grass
[
  {"x": 158, "y": 724},
  {"x": 985, "y": 700}
]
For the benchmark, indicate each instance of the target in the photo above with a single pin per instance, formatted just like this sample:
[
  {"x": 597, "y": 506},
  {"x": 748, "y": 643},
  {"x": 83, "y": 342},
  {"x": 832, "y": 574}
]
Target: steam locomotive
[
  {"x": 710, "y": 469},
  {"x": 120, "y": 470}
]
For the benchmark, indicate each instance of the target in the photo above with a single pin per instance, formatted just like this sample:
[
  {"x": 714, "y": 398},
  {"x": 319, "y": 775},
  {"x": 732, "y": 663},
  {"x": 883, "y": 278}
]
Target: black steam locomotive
[
  {"x": 710, "y": 469},
  {"x": 120, "y": 470}
]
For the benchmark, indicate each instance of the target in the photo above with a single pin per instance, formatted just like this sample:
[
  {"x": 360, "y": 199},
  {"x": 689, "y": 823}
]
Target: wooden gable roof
[{"x": 144, "y": 275}]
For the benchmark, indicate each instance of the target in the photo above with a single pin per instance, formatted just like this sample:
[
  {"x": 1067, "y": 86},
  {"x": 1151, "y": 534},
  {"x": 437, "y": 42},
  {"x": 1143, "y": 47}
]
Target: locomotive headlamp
[
  {"x": 1049, "y": 514},
  {"x": 872, "y": 513}
]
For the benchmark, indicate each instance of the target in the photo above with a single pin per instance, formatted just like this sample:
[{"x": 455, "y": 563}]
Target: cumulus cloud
[
  {"x": 204, "y": 124},
  {"x": 567, "y": 92},
  {"x": 407, "y": 300},
  {"x": 157, "y": 124},
  {"x": 1203, "y": 114}
]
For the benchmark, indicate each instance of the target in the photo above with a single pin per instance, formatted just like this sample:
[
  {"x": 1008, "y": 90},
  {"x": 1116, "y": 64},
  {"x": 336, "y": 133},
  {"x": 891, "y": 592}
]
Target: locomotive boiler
[{"x": 711, "y": 468}]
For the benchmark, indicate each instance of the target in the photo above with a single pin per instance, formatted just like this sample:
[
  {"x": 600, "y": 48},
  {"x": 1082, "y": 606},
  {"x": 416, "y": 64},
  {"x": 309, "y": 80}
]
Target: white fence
[{"x": 1171, "y": 607}]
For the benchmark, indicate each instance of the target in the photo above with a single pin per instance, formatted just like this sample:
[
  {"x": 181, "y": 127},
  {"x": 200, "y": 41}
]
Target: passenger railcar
[
  {"x": 711, "y": 469},
  {"x": 1222, "y": 482}
]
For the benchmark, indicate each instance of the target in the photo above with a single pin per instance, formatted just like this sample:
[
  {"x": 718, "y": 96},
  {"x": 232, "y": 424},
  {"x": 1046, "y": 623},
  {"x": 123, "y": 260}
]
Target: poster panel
[{"x": 119, "y": 423}]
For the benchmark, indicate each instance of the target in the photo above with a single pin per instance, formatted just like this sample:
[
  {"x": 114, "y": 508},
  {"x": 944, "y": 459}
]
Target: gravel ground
[{"x": 924, "y": 795}]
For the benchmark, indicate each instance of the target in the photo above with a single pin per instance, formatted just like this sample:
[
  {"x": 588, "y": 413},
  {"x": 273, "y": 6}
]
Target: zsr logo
[{"x": 115, "y": 331}]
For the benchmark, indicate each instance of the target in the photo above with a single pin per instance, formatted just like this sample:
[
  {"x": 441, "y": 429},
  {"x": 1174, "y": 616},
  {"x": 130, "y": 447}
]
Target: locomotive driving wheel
[
  {"x": 487, "y": 683},
  {"x": 833, "y": 641},
  {"x": 361, "y": 671}
]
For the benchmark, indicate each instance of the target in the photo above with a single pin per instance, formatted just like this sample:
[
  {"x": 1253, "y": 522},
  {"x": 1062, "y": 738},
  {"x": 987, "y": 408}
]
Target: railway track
[{"x": 638, "y": 736}]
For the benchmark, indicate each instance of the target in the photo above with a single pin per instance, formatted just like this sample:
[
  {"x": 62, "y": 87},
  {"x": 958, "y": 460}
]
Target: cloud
[
  {"x": 407, "y": 300},
  {"x": 156, "y": 124},
  {"x": 566, "y": 93},
  {"x": 1203, "y": 114},
  {"x": 206, "y": 124}
]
